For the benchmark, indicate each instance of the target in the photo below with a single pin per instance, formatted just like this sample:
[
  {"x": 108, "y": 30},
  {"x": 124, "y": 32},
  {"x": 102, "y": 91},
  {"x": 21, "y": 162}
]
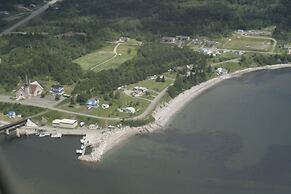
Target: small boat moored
[
  {"x": 79, "y": 151},
  {"x": 56, "y": 135}
]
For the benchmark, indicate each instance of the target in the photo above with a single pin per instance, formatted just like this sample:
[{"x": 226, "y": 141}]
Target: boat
[
  {"x": 44, "y": 134},
  {"x": 56, "y": 135},
  {"x": 82, "y": 147},
  {"x": 79, "y": 151},
  {"x": 82, "y": 140}
]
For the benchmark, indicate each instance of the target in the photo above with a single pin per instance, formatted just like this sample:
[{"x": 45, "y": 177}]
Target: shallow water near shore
[{"x": 234, "y": 138}]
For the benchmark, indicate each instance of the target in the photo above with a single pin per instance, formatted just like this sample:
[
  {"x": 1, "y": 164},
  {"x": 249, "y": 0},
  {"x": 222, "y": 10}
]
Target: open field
[
  {"x": 106, "y": 58},
  {"x": 124, "y": 53},
  {"x": 152, "y": 84},
  {"x": 237, "y": 42},
  {"x": 90, "y": 60}
]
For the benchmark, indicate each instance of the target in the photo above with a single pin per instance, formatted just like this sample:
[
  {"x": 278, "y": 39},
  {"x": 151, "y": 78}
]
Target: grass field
[
  {"x": 105, "y": 58},
  {"x": 152, "y": 84},
  {"x": 125, "y": 53},
  {"x": 90, "y": 60},
  {"x": 237, "y": 42}
]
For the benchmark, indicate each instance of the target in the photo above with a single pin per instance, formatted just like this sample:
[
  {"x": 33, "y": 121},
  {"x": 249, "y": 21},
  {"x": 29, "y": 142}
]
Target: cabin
[
  {"x": 105, "y": 106},
  {"x": 183, "y": 38},
  {"x": 11, "y": 114},
  {"x": 221, "y": 71},
  {"x": 57, "y": 90},
  {"x": 130, "y": 110},
  {"x": 65, "y": 123},
  {"x": 170, "y": 40},
  {"x": 28, "y": 90}
]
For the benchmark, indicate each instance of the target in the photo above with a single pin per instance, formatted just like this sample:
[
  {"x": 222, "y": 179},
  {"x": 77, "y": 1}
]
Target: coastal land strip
[{"x": 162, "y": 114}]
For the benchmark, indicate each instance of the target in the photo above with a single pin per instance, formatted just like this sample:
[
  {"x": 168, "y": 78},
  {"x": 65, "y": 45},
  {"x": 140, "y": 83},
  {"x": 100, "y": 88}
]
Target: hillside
[{"x": 73, "y": 28}]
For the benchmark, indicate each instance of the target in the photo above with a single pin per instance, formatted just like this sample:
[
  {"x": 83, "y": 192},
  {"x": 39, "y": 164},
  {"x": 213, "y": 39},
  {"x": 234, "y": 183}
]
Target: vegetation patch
[{"x": 237, "y": 42}]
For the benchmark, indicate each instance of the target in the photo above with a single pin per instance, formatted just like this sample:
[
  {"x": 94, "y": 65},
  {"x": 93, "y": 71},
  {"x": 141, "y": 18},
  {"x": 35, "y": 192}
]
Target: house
[
  {"x": 130, "y": 110},
  {"x": 93, "y": 102},
  {"x": 93, "y": 126},
  {"x": 289, "y": 51},
  {"x": 28, "y": 90},
  {"x": 11, "y": 114},
  {"x": 221, "y": 71},
  {"x": 105, "y": 106},
  {"x": 123, "y": 39},
  {"x": 240, "y": 31},
  {"x": 57, "y": 90},
  {"x": 238, "y": 52},
  {"x": 171, "y": 40},
  {"x": 65, "y": 123},
  {"x": 183, "y": 38},
  {"x": 138, "y": 91}
]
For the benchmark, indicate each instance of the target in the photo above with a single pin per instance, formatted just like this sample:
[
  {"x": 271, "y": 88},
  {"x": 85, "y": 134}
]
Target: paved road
[
  {"x": 152, "y": 106},
  {"x": 6, "y": 99},
  {"x": 33, "y": 14}
]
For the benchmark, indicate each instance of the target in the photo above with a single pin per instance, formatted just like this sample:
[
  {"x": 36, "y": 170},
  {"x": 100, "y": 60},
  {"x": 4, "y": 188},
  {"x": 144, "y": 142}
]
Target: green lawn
[
  {"x": 97, "y": 59},
  {"x": 152, "y": 84},
  {"x": 90, "y": 60},
  {"x": 125, "y": 53},
  {"x": 237, "y": 42}
]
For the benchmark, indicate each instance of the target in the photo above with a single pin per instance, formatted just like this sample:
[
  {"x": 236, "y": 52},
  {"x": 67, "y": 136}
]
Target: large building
[
  {"x": 28, "y": 90},
  {"x": 65, "y": 123}
]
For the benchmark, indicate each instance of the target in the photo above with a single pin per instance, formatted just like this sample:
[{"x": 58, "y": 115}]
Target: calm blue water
[{"x": 234, "y": 139}]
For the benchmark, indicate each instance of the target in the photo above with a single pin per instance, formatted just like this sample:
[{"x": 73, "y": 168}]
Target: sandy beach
[{"x": 162, "y": 115}]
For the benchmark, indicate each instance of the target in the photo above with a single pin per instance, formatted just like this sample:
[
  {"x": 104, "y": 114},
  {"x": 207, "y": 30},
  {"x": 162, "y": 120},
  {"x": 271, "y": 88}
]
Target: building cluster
[
  {"x": 251, "y": 32},
  {"x": 210, "y": 52},
  {"x": 173, "y": 40},
  {"x": 204, "y": 41},
  {"x": 138, "y": 91},
  {"x": 95, "y": 103},
  {"x": 130, "y": 110}
]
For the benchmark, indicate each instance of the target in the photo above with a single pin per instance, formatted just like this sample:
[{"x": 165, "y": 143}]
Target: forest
[
  {"x": 50, "y": 55},
  {"x": 152, "y": 59}
]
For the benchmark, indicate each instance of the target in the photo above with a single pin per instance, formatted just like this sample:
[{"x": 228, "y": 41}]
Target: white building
[
  {"x": 130, "y": 110},
  {"x": 221, "y": 71},
  {"x": 65, "y": 123},
  {"x": 28, "y": 90}
]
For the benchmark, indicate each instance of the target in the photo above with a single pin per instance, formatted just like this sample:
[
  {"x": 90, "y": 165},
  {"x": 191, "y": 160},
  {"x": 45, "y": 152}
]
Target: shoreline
[{"x": 162, "y": 115}]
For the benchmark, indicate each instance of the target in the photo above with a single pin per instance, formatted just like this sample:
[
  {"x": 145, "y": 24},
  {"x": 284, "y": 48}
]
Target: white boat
[
  {"x": 56, "y": 135},
  {"x": 82, "y": 140},
  {"x": 79, "y": 151},
  {"x": 82, "y": 147},
  {"x": 44, "y": 134}
]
